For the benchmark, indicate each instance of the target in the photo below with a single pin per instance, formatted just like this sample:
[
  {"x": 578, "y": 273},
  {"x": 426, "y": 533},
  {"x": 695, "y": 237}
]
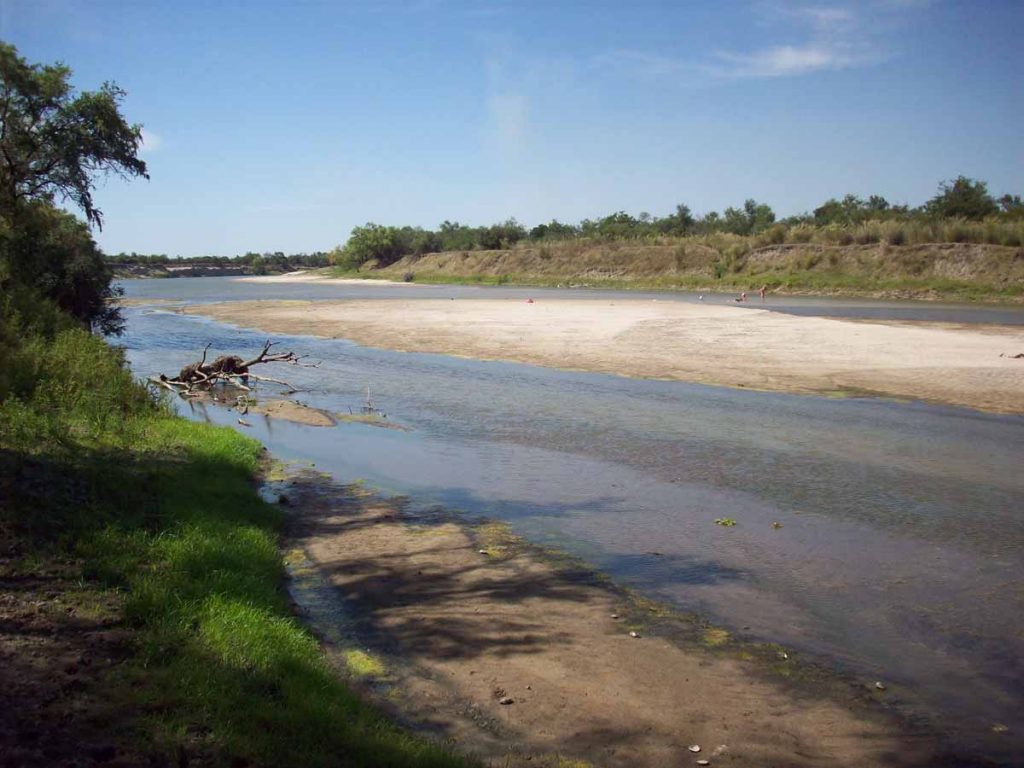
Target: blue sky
[{"x": 281, "y": 125}]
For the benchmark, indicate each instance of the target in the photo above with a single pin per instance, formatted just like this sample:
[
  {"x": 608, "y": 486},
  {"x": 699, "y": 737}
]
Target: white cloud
[
  {"x": 833, "y": 38},
  {"x": 151, "y": 142},
  {"x": 788, "y": 60}
]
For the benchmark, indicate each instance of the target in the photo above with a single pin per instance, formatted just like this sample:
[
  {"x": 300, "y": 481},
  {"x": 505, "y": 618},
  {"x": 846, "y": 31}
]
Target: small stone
[
  {"x": 506, "y": 700},
  {"x": 634, "y": 634},
  {"x": 615, "y": 615},
  {"x": 694, "y": 747},
  {"x": 703, "y": 762},
  {"x": 484, "y": 552},
  {"x": 880, "y": 685},
  {"x": 999, "y": 728}
]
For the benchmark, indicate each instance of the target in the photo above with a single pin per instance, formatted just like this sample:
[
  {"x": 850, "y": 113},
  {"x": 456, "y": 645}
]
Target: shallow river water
[{"x": 901, "y": 548}]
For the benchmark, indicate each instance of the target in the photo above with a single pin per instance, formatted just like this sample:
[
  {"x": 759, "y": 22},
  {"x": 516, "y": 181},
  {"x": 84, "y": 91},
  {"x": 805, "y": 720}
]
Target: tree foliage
[
  {"x": 52, "y": 252},
  {"x": 962, "y": 198},
  {"x": 53, "y": 146},
  {"x": 753, "y": 218}
]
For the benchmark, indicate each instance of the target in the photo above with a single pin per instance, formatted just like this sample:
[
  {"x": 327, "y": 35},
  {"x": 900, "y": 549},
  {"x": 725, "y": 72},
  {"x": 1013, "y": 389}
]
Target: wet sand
[
  {"x": 708, "y": 344},
  {"x": 466, "y": 619},
  {"x": 297, "y": 413}
]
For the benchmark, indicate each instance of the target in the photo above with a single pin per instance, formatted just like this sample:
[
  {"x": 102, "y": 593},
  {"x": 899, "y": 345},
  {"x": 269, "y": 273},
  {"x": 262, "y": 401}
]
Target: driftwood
[{"x": 199, "y": 377}]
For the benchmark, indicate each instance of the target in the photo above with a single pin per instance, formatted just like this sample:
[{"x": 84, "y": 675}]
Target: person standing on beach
[{"x": 763, "y": 289}]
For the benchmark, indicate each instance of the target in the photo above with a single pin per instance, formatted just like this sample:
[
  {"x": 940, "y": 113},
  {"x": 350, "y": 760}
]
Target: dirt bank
[
  {"x": 527, "y": 660},
  {"x": 673, "y": 340},
  {"x": 726, "y": 262}
]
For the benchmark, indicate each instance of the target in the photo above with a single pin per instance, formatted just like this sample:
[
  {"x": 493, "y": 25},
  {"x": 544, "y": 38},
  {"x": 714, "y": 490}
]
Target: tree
[
  {"x": 1011, "y": 204},
  {"x": 555, "y": 230},
  {"x": 53, "y": 253},
  {"x": 962, "y": 198},
  {"x": 755, "y": 217},
  {"x": 54, "y": 144},
  {"x": 679, "y": 223},
  {"x": 373, "y": 241}
]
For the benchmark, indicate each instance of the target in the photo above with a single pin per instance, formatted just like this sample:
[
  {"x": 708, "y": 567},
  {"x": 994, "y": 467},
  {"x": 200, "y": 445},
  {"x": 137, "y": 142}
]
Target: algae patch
[{"x": 363, "y": 664}]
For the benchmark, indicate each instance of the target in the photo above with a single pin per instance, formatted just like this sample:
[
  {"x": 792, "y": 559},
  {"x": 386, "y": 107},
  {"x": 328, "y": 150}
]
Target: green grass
[{"x": 164, "y": 512}]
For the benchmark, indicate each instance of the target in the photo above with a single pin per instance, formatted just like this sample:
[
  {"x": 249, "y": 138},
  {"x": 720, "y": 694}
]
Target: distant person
[
  {"x": 701, "y": 297},
  {"x": 762, "y": 291},
  {"x": 742, "y": 297}
]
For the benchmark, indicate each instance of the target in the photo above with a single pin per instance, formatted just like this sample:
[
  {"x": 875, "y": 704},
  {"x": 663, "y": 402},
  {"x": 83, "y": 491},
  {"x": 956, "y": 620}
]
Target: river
[{"x": 899, "y": 556}]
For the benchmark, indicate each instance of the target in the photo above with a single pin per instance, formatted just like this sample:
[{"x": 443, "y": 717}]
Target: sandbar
[
  {"x": 706, "y": 344},
  {"x": 304, "y": 276}
]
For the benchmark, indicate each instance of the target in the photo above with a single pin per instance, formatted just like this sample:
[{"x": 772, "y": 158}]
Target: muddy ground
[{"x": 526, "y": 658}]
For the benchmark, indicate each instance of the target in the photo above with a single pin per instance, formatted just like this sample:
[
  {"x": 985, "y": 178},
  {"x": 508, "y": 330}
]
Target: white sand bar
[{"x": 673, "y": 340}]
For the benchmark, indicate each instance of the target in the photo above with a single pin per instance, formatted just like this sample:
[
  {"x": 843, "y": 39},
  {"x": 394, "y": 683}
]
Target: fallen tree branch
[{"x": 230, "y": 370}]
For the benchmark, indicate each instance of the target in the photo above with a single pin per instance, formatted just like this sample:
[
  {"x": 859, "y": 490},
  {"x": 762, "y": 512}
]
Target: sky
[{"x": 279, "y": 126}]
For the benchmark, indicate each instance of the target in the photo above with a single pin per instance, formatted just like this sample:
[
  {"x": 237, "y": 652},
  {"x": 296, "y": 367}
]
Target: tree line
[
  {"x": 255, "y": 263},
  {"x": 961, "y": 199}
]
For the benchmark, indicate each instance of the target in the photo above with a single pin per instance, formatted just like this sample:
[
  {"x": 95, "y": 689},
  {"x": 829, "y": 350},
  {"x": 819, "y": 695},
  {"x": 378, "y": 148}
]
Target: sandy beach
[
  {"x": 305, "y": 276},
  {"x": 708, "y": 344}
]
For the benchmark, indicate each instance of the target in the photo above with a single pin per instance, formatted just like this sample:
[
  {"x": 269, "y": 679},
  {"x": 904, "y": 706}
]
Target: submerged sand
[{"x": 708, "y": 344}]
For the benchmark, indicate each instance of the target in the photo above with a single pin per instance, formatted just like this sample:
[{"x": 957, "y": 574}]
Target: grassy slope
[
  {"x": 973, "y": 271},
  {"x": 163, "y": 512}
]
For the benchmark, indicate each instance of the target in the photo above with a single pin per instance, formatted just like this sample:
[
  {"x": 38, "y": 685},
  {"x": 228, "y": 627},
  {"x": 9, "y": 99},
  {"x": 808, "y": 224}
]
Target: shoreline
[
  {"x": 696, "y": 343},
  {"x": 443, "y": 620}
]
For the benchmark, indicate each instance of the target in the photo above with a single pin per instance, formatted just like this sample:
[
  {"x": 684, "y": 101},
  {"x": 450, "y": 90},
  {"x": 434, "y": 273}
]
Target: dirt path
[
  {"x": 673, "y": 340},
  {"x": 462, "y": 631}
]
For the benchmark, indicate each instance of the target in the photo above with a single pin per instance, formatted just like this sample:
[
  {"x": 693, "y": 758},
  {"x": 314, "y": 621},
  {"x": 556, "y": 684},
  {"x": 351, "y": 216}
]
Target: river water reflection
[{"x": 899, "y": 555}]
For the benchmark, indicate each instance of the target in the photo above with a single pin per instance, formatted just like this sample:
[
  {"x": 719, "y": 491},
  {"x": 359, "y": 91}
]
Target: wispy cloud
[
  {"x": 785, "y": 60},
  {"x": 815, "y": 38},
  {"x": 833, "y": 38}
]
